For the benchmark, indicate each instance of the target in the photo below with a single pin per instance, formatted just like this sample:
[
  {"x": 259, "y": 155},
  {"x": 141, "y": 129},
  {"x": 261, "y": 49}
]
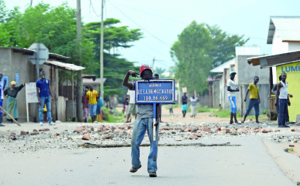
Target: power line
[
  {"x": 139, "y": 25},
  {"x": 91, "y": 5}
]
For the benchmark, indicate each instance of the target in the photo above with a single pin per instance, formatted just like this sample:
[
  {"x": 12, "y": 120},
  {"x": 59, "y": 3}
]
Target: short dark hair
[{"x": 280, "y": 78}]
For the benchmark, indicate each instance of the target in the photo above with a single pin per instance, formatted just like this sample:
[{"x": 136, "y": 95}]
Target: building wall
[
  {"x": 216, "y": 93},
  {"x": 246, "y": 72},
  {"x": 293, "y": 46},
  {"x": 12, "y": 63},
  {"x": 279, "y": 46},
  {"x": 293, "y": 78}
]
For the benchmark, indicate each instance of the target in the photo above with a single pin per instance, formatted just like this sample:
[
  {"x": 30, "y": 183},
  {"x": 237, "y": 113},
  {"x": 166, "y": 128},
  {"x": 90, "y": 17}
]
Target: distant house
[{"x": 16, "y": 66}]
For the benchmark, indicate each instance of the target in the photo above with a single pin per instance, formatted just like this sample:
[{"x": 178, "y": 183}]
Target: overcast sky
[{"x": 162, "y": 20}]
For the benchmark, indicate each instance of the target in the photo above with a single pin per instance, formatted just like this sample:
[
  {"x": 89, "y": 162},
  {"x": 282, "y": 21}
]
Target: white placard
[
  {"x": 31, "y": 93},
  {"x": 31, "y": 97}
]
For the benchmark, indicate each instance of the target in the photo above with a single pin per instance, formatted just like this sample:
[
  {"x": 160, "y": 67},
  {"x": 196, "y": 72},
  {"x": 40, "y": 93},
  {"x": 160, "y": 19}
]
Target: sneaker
[
  {"x": 133, "y": 170},
  {"x": 286, "y": 126},
  {"x": 127, "y": 122},
  {"x": 41, "y": 123},
  {"x": 152, "y": 174},
  {"x": 2, "y": 125},
  {"x": 52, "y": 124}
]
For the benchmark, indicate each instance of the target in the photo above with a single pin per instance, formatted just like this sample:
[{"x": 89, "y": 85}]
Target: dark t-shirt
[
  {"x": 184, "y": 99},
  {"x": 43, "y": 85},
  {"x": 13, "y": 93}
]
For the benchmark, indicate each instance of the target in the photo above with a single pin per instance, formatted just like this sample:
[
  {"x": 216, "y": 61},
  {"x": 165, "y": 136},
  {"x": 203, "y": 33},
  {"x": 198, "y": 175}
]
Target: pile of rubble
[{"x": 121, "y": 134}]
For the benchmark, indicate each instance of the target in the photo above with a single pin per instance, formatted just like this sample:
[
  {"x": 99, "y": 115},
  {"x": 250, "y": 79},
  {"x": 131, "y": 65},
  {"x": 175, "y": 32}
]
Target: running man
[
  {"x": 254, "y": 99},
  {"x": 232, "y": 89}
]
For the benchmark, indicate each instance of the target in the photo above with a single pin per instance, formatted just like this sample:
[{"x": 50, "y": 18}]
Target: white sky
[{"x": 162, "y": 20}]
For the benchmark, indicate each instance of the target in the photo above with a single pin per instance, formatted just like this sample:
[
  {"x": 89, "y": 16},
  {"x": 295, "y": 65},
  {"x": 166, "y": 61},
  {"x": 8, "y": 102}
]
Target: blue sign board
[
  {"x": 155, "y": 91},
  {"x": 17, "y": 78}
]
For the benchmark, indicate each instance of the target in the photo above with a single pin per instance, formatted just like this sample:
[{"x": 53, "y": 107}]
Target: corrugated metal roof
[
  {"x": 275, "y": 60},
  {"x": 26, "y": 51},
  {"x": 66, "y": 66},
  {"x": 91, "y": 81},
  {"x": 288, "y": 28},
  {"x": 220, "y": 68}
]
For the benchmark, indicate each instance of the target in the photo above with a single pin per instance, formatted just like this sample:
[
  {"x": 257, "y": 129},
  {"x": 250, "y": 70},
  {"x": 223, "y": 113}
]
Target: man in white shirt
[
  {"x": 194, "y": 100},
  {"x": 282, "y": 96},
  {"x": 132, "y": 107},
  {"x": 232, "y": 89}
]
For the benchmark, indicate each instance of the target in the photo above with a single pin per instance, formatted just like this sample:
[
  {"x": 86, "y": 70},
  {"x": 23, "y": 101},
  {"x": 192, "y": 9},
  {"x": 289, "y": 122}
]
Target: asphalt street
[{"x": 248, "y": 164}]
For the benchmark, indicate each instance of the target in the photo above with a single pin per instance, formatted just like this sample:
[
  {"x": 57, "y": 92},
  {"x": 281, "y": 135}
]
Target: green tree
[
  {"x": 190, "y": 54},
  {"x": 198, "y": 49},
  {"x": 159, "y": 71},
  {"x": 224, "y": 45},
  {"x": 53, "y": 26},
  {"x": 115, "y": 38}
]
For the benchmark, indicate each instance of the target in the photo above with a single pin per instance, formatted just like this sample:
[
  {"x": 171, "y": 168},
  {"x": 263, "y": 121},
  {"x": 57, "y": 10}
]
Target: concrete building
[{"x": 15, "y": 61}]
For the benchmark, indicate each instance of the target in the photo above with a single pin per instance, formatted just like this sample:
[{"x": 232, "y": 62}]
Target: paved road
[{"x": 249, "y": 164}]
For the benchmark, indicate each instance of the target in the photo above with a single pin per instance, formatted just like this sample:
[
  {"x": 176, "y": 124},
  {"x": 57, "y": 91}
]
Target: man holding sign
[{"x": 143, "y": 122}]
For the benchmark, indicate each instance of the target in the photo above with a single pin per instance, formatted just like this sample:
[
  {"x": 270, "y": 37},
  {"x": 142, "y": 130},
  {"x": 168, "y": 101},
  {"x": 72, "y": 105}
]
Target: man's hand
[
  {"x": 4, "y": 81},
  {"x": 237, "y": 89},
  {"x": 259, "y": 101},
  {"x": 133, "y": 73},
  {"x": 289, "y": 103},
  {"x": 275, "y": 103},
  {"x": 40, "y": 103},
  {"x": 290, "y": 95}
]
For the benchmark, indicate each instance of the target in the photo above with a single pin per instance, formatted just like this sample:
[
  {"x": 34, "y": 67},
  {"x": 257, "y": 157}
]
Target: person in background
[
  {"x": 277, "y": 102},
  {"x": 254, "y": 99},
  {"x": 232, "y": 89},
  {"x": 92, "y": 96},
  {"x": 85, "y": 105},
  {"x": 171, "y": 109},
  {"x": 184, "y": 101},
  {"x": 44, "y": 95},
  {"x": 100, "y": 104},
  {"x": 125, "y": 104},
  {"x": 132, "y": 108},
  {"x": 284, "y": 101},
  {"x": 194, "y": 100},
  {"x": 115, "y": 100},
  {"x": 12, "y": 103},
  {"x": 2, "y": 86}
]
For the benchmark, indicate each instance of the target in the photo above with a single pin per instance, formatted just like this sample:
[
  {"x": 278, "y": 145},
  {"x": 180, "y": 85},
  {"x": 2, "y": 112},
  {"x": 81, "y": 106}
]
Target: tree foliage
[
  {"x": 56, "y": 28},
  {"x": 198, "y": 49},
  {"x": 115, "y": 38}
]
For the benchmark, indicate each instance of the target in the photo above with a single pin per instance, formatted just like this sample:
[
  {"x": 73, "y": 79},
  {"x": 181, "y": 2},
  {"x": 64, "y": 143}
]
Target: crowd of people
[
  {"x": 282, "y": 99},
  {"x": 91, "y": 101}
]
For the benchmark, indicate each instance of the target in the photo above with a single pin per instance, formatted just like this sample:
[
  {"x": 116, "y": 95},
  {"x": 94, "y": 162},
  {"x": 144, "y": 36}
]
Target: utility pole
[
  {"x": 79, "y": 74},
  {"x": 101, "y": 51}
]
